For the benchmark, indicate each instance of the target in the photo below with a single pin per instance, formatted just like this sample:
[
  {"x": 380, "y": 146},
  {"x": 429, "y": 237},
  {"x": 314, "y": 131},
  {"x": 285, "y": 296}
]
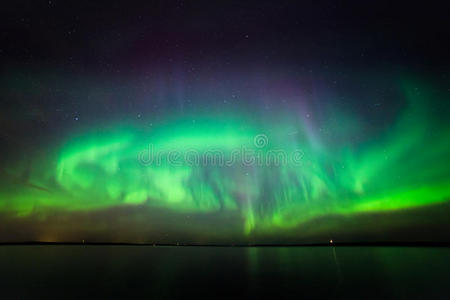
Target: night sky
[{"x": 224, "y": 122}]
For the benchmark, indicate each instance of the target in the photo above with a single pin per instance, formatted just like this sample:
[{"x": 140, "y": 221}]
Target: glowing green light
[{"x": 390, "y": 171}]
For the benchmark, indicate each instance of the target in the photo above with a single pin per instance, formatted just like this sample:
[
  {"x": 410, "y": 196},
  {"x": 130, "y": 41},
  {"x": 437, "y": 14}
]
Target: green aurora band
[{"x": 404, "y": 166}]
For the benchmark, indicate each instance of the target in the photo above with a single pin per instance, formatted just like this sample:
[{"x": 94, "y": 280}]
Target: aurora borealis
[
  {"x": 339, "y": 171},
  {"x": 146, "y": 144}
]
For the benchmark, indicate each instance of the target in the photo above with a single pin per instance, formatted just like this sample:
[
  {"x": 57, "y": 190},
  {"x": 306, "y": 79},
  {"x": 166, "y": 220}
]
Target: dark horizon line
[{"x": 329, "y": 244}]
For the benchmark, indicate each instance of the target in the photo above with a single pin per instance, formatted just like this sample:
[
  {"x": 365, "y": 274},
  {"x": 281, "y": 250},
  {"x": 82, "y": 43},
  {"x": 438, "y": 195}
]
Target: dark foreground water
[{"x": 280, "y": 272}]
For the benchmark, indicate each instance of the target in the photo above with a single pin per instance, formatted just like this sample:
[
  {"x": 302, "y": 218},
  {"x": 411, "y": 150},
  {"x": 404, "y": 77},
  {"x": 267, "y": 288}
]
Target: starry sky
[{"x": 115, "y": 117}]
